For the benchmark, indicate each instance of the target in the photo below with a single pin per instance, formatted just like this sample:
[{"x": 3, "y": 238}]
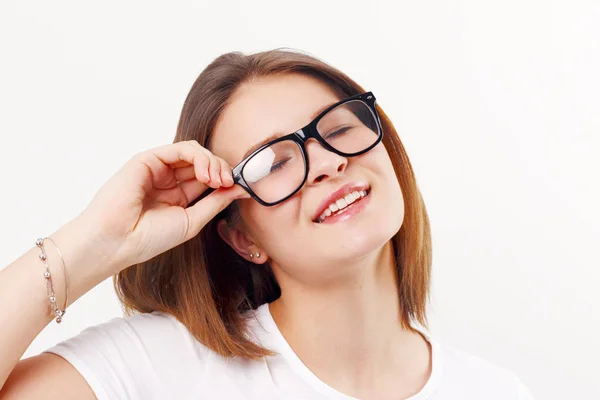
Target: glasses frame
[{"x": 300, "y": 137}]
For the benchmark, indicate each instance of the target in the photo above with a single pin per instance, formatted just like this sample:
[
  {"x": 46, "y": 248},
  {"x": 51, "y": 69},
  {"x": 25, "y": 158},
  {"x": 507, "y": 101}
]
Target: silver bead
[
  {"x": 251, "y": 255},
  {"x": 39, "y": 242},
  {"x": 58, "y": 320},
  {"x": 52, "y": 299},
  {"x": 47, "y": 275},
  {"x": 257, "y": 255},
  {"x": 43, "y": 256}
]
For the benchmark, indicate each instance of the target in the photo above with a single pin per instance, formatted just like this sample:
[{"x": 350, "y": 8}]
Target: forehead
[{"x": 278, "y": 104}]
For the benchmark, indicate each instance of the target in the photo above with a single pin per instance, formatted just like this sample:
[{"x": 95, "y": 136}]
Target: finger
[
  {"x": 185, "y": 173},
  {"x": 180, "y": 164},
  {"x": 215, "y": 171},
  {"x": 201, "y": 168},
  {"x": 177, "y": 153},
  {"x": 206, "y": 209},
  {"x": 226, "y": 176},
  {"x": 192, "y": 189}
]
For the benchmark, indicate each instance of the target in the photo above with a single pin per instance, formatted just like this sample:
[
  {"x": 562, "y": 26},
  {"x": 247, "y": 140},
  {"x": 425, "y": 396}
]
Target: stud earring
[{"x": 257, "y": 255}]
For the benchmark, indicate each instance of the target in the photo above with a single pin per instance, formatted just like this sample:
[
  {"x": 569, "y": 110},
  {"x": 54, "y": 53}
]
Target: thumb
[{"x": 206, "y": 209}]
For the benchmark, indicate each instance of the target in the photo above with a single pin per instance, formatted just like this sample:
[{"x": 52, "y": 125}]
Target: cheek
[
  {"x": 382, "y": 164},
  {"x": 266, "y": 224},
  {"x": 379, "y": 162}
]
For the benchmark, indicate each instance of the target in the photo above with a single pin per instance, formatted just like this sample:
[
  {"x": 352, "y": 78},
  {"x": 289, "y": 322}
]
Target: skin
[{"x": 339, "y": 308}]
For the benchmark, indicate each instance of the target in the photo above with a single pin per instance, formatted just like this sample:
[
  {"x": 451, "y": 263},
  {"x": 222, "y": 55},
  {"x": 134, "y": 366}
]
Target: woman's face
[{"x": 290, "y": 234}]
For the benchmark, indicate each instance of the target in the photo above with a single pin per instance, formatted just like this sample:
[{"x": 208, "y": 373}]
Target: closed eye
[
  {"x": 279, "y": 164},
  {"x": 337, "y": 132}
]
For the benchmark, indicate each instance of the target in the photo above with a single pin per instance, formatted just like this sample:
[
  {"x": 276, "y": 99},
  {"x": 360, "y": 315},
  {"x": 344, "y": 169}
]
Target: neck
[{"x": 349, "y": 334}]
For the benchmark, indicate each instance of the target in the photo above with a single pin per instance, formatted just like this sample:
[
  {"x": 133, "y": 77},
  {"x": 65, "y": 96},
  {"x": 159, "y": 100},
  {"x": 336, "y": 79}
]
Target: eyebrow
[{"x": 277, "y": 135}]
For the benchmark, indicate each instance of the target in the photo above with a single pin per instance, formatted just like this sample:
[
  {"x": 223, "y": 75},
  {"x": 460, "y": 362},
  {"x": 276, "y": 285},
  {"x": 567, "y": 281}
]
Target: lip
[{"x": 341, "y": 192}]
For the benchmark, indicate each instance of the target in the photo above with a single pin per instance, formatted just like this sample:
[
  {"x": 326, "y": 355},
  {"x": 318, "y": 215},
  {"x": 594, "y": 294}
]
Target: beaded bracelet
[{"x": 58, "y": 313}]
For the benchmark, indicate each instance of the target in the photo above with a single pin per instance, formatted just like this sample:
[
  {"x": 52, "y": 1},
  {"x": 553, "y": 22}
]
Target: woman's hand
[{"x": 142, "y": 211}]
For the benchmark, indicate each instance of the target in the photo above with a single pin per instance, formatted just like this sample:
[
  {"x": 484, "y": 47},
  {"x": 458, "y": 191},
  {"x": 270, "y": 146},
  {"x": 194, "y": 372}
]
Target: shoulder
[
  {"x": 154, "y": 332},
  {"x": 138, "y": 355},
  {"x": 151, "y": 327},
  {"x": 474, "y": 375}
]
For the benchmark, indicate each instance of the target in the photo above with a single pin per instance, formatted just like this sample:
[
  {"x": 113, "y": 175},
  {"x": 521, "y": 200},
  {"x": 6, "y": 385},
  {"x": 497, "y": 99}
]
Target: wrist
[{"x": 88, "y": 256}]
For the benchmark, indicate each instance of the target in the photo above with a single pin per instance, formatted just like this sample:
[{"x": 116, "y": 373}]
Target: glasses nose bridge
[
  {"x": 301, "y": 135},
  {"x": 307, "y": 133},
  {"x": 304, "y": 135}
]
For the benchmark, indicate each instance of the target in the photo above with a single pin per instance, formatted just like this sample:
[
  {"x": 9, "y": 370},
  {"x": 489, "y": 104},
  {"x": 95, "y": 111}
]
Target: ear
[{"x": 241, "y": 243}]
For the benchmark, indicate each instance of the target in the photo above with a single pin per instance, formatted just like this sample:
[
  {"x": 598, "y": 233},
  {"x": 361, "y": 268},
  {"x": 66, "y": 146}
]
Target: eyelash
[
  {"x": 279, "y": 165},
  {"x": 335, "y": 133}
]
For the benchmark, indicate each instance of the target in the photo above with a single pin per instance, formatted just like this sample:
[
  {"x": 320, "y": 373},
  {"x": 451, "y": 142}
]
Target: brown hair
[{"x": 203, "y": 282}]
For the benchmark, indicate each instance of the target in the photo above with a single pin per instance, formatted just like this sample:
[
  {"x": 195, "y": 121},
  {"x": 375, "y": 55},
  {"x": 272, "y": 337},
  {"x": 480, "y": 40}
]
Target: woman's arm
[
  {"x": 142, "y": 211},
  {"x": 46, "y": 376},
  {"x": 26, "y": 312}
]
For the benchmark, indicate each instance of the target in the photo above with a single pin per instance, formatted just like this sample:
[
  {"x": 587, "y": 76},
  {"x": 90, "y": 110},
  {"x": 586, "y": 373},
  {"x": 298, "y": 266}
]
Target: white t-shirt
[{"x": 153, "y": 356}]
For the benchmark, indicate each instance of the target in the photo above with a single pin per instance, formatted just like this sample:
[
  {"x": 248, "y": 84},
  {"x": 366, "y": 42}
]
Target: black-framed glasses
[{"x": 278, "y": 169}]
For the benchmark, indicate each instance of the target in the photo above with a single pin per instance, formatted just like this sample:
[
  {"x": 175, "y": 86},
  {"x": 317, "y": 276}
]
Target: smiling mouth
[{"x": 343, "y": 204}]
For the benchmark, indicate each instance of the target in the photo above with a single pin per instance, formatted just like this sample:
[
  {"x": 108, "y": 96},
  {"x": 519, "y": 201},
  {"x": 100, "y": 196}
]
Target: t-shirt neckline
[{"x": 281, "y": 346}]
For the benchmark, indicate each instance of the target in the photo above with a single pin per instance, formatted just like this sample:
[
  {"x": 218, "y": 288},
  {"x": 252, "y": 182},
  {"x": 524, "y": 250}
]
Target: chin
[{"x": 369, "y": 236}]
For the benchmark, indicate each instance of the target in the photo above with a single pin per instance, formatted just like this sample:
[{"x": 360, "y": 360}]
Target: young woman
[{"x": 278, "y": 249}]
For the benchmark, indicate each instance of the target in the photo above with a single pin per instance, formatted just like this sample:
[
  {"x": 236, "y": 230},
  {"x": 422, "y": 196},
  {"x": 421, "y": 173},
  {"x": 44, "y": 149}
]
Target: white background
[{"x": 497, "y": 103}]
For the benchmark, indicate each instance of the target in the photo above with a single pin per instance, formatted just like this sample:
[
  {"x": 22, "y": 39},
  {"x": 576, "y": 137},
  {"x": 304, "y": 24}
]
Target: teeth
[{"x": 342, "y": 203}]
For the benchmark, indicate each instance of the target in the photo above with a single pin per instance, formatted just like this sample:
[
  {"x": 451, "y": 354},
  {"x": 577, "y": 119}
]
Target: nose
[{"x": 323, "y": 164}]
